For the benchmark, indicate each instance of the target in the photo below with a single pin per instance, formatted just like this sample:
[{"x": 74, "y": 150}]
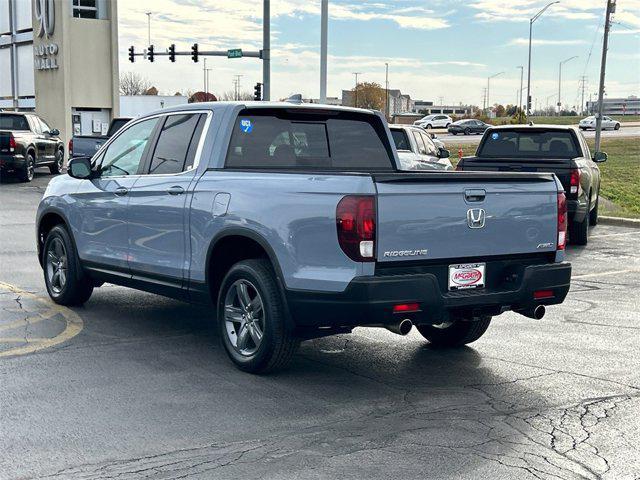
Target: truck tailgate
[
  {"x": 561, "y": 167},
  {"x": 456, "y": 215}
]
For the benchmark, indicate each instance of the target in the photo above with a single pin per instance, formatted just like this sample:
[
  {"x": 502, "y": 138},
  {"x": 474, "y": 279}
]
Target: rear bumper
[
  {"x": 12, "y": 162},
  {"x": 370, "y": 300}
]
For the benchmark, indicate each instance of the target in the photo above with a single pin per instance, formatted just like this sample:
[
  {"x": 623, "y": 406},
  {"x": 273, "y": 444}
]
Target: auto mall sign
[{"x": 46, "y": 54}]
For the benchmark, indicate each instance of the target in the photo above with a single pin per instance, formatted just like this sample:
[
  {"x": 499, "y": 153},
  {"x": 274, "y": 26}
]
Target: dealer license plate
[{"x": 467, "y": 275}]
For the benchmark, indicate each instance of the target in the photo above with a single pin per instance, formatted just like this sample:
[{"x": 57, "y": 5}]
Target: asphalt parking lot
[{"x": 133, "y": 385}]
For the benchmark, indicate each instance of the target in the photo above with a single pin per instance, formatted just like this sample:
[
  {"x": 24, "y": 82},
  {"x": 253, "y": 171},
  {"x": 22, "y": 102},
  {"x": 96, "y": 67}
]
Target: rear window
[
  {"x": 13, "y": 122},
  {"x": 527, "y": 144},
  {"x": 401, "y": 140},
  {"x": 294, "y": 139}
]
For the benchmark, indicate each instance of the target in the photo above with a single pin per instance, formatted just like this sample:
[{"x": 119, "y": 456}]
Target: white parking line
[{"x": 615, "y": 234}]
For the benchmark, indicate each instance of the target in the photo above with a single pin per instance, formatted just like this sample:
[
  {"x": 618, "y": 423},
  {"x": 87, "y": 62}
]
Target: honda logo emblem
[{"x": 476, "y": 217}]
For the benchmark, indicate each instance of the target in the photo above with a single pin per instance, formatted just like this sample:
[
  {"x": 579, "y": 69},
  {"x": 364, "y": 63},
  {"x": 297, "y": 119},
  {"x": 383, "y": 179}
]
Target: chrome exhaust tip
[
  {"x": 402, "y": 328},
  {"x": 536, "y": 313}
]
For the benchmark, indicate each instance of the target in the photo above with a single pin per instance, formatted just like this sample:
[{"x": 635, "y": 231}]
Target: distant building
[
  {"x": 330, "y": 101},
  {"x": 428, "y": 108},
  {"x": 398, "y": 101},
  {"x": 617, "y": 106},
  {"x": 136, "y": 105},
  {"x": 420, "y": 105}
]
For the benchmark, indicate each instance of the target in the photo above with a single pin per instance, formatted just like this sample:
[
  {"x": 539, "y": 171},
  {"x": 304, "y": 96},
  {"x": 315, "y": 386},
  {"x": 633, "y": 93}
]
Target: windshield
[
  {"x": 530, "y": 143},
  {"x": 13, "y": 122},
  {"x": 400, "y": 139}
]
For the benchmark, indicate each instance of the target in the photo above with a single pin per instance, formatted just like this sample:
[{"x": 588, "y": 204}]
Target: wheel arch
[
  {"x": 233, "y": 245},
  {"x": 47, "y": 221}
]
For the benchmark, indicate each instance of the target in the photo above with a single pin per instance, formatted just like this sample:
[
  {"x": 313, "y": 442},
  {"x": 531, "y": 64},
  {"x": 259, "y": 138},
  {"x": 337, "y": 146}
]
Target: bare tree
[
  {"x": 133, "y": 84},
  {"x": 230, "y": 95}
]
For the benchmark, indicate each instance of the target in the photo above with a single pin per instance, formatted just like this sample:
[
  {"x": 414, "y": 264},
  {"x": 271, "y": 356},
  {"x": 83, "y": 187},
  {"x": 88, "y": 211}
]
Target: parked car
[
  {"x": 417, "y": 150},
  {"x": 561, "y": 150},
  {"x": 434, "y": 121},
  {"x": 294, "y": 222},
  {"x": 27, "y": 142},
  {"x": 87, "y": 145},
  {"x": 607, "y": 123},
  {"x": 467, "y": 127}
]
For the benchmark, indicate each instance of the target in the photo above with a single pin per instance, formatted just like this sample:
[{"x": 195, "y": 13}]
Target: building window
[{"x": 85, "y": 9}]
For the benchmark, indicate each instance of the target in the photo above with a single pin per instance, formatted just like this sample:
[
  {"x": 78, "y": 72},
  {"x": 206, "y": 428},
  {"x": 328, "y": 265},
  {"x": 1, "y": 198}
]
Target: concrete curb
[{"x": 618, "y": 221}]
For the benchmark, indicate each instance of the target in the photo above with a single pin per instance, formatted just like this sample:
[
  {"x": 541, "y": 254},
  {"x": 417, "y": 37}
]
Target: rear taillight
[
  {"x": 562, "y": 221},
  {"x": 70, "y": 149},
  {"x": 356, "y": 224},
  {"x": 575, "y": 180},
  {"x": 12, "y": 143}
]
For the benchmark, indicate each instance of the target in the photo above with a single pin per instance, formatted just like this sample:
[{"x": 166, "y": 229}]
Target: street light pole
[
  {"x": 324, "y": 13},
  {"x": 531, "y": 20},
  {"x": 560, "y": 82},
  {"x": 148, "y": 14},
  {"x": 386, "y": 93},
  {"x": 355, "y": 103},
  {"x": 488, "y": 80},
  {"x": 520, "y": 96},
  {"x": 266, "y": 50}
]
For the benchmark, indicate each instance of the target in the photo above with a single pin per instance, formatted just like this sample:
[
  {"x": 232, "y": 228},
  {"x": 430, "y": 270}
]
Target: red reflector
[
  {"x": 540, "y": 294},
  {"x": 70, "y": 149},
  {"x": 12, "y": 143},
  {"x": 406, "y": 307}
]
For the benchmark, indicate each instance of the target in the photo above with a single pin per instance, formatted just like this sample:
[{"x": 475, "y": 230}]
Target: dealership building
[{"x": 59, "y": 58}]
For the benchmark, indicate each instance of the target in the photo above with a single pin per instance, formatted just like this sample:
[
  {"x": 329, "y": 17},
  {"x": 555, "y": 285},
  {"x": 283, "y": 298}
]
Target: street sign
[{"x": 234, "y": 53}]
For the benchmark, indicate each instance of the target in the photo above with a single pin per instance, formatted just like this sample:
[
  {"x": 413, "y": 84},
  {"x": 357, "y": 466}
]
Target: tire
[
  {"x": 467, "y": 131},
  {"x": 454, "y": 133},
  {"x": 455, "y": 334},
  {"x": 56, "y": 168},
  {"x": 276, "y": 345},
  {"x": 28, "y": 171},
  {"x": 617, "y": 127},
  {"x": 428, "y": 127},
  {"x": 579, "y": 231},
  {"x": 593, "y": 214},
  {"x": 72, "y": 287},
  {"x": 447, "y": 125}
]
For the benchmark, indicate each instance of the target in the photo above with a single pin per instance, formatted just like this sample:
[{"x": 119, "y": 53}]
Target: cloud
[{"x": 540, "y": 41}]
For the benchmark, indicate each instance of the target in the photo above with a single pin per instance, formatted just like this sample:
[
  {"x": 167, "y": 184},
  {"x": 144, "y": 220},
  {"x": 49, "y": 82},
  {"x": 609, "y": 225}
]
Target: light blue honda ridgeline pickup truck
[{"x": 295, "y": 222}]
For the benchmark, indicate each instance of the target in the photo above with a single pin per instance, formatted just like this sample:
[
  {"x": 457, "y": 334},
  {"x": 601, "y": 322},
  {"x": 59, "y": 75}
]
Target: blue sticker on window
[
  {"x": 245, "y": 125},
  {"x": 494, "y": 136}
]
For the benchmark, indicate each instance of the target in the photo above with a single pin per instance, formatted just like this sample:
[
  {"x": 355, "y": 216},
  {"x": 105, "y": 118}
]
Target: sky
[{"x": 437, "y": 50}]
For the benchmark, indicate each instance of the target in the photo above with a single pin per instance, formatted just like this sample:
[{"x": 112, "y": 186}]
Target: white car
[
  {"x": 434, "y": 121},
  {"x": 607, "y": 123},
  {"x": 417, "y": 151}
]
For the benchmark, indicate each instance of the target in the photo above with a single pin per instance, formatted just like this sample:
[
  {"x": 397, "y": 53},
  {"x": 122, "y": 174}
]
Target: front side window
[
  {"x": 419, "y": 143},
  {"x": 124, "y": 154},
  {"x": 172, "y": 148},
  {"x": 431, "y": 147},
  {"x": 37, "y": 126},
  {"x": 298, "y": 139},
  {"x": 43, "y": 125}
]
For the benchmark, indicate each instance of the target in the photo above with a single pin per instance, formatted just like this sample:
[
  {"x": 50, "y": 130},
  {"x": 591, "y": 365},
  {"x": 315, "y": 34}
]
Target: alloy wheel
[
  {"x": 244, "y": 317},
  {"x": 31, "y": 168},
  {"x": 57, "y": 265}
]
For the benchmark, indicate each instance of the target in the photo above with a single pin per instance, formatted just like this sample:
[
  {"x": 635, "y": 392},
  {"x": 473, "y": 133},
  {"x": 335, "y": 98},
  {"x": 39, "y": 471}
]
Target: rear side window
[
  {"x": 13, "y": 122},
  {"x": 298, "y": 139},
  {"x": 172, "y": 148},
  {"x": 401, "y": 140},
  {"x": 527, "y": 144}
]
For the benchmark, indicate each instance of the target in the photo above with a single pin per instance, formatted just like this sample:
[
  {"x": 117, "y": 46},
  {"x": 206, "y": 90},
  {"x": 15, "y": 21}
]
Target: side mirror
[
  {"x": 432, "y": 135},
  {"x": 54, "y": 132},
  {"x": 444, "y": 153},
  {"x": 600, "y": 157},
  {"x": 80, "y": 167}
]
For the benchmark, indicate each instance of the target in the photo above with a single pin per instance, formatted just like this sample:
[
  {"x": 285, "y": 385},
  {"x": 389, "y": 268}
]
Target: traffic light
[
  {"x": 194, "y": 52},
  {"x": 257, "y": 92},
  {"x": 131, "y": 54},
  {"x": 150, "y": 53},
  {"x": 528, "y": 103},
  {"x": 172, "y": 52}
]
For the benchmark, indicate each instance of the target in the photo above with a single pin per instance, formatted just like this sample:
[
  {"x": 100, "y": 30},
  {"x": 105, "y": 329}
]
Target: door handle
[
  {"x": 121, "y": 191},
  {"x": 175, "y": 190}
]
